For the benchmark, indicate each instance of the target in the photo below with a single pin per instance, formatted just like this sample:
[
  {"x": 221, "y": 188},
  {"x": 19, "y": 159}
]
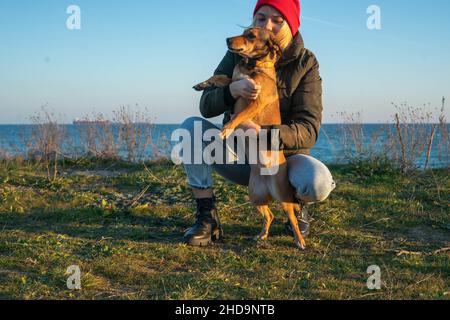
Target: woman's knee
[
  {"x": 189, "y": 123},
  {"x": 198, "y": 126},
  {"x": 311, "y": 179}
]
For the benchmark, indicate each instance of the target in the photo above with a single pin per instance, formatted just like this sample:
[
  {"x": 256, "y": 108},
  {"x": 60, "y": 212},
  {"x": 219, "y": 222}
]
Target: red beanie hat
[{"x": 290, "y": 9}]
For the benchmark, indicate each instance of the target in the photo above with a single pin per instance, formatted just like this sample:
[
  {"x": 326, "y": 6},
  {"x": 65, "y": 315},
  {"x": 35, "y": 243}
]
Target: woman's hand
[
  {"x": 246, "y": 88},
  {"x": 248, "y": 125}
]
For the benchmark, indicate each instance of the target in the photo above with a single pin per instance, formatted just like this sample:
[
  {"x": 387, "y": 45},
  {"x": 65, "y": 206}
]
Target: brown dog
[{"x": 260, "y": 53}]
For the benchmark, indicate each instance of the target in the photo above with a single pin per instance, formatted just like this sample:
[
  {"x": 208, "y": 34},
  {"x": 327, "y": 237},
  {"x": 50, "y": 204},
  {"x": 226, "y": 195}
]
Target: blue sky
[{"x": 151, "y": 53}]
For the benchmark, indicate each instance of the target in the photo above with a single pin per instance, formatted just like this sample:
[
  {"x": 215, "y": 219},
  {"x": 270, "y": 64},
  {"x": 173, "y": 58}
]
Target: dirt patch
[
  {"x": 429, "y": 234},
  {"x": 423, "y": 235}
]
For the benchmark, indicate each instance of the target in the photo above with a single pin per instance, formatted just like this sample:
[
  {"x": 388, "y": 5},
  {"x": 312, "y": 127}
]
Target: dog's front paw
[
  {"x": 225, "y": 133},
  {"x": 301, "y": 245},
  {"x": 261, "y": 237},
  {"x": 202, "y": 86}
]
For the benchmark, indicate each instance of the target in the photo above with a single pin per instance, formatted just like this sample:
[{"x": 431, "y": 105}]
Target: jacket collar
[{"x": 292, "y": 51}]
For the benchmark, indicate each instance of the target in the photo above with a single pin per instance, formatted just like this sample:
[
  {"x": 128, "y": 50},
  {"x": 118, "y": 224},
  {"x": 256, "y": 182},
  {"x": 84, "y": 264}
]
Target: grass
[{"x": 129, "y": 247}]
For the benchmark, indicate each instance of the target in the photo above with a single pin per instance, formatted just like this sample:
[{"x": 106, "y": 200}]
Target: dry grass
[
  {"x": 409, "y": 140},
  {"x": 127, "y": 135},
  {"x": 97, "y": 138},
  {"x": 46, "y": 141},
  {"x": 134, "y": 132},
  {"x": 444, "y": 145}
]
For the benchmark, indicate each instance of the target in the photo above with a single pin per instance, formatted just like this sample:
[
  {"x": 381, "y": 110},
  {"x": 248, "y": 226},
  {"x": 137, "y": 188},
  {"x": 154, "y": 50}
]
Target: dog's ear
[{"x": 274, "y": 47}]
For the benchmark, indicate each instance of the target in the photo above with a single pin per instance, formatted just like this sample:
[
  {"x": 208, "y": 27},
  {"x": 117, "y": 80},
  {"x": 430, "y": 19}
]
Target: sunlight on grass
[{"x": 129, "y": 247}]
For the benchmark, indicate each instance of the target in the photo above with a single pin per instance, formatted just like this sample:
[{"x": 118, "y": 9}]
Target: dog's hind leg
[
  {"x": 288, "y": 208},
  {"x": 217, "y": 81},
  {"x": 268, "y": 219}
]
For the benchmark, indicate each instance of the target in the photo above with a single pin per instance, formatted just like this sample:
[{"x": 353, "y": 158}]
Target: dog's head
[{"x": 255, "y": 43}]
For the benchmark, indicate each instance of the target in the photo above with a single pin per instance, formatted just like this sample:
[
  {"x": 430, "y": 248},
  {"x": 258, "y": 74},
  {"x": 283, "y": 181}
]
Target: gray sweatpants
[{"x": 311, "y": 179}]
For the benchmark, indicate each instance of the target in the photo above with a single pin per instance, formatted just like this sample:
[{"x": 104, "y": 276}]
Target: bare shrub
[
  {"x": 406, "y": 142},
  {"x": 97, "y": 137},
  {"x": 134, "y": 128},
  {"x": 355, "y": 144},
  {"x": 158, "y": 148},
  {"x": 4, "y": 155},
  {"x": 411, "y": 136},
  {"x": 430, "y": 145},
  {"x": 444, "y": 143},
  {"x": 46, "y": 140},
  {"x": 127, "y": 136}
]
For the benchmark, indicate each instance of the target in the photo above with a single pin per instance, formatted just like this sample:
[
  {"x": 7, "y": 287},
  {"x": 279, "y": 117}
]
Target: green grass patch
[{"x": 122, "y": 224}]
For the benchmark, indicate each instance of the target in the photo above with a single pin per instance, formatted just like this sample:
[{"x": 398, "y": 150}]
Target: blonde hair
[{"x": 283, "y": 37}]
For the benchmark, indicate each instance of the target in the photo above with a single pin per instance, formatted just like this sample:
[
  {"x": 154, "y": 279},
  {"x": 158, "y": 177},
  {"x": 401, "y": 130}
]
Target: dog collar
[
  {"x": 252, "y": 63},
  {"x": 266, "y": 64}
]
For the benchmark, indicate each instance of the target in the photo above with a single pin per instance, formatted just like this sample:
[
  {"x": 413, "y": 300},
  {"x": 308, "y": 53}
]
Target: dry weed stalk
[
  {"x": 134, "y": 131},
  {"x": 46, "y": 141},
  {"x": 97, "y": 137}
]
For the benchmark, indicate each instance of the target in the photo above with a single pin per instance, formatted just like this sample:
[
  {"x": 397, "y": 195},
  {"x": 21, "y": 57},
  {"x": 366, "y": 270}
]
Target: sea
[{"x": 335, "y": 143}]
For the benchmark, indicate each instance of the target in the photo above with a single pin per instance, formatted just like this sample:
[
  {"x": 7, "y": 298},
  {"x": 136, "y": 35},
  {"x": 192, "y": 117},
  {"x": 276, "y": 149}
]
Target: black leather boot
[
  {"x": 207, "y": 227},
  {"x": 303, "y": 222}
]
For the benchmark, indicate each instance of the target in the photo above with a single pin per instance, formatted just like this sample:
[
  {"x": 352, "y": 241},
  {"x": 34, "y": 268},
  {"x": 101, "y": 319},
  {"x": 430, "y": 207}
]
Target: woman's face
[{"x": 269, "y": 18}]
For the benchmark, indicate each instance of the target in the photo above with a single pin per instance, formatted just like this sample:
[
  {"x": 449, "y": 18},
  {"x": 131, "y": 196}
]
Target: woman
[{"x": 300, "y": 92}]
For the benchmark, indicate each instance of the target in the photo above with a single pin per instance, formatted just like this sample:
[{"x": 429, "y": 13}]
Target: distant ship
[{"x": 84, "y": 122}]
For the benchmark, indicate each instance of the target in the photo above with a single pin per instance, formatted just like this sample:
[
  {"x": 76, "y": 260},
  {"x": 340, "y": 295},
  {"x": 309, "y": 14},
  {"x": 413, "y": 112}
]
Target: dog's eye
[{"x": 251, "y": 36}]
